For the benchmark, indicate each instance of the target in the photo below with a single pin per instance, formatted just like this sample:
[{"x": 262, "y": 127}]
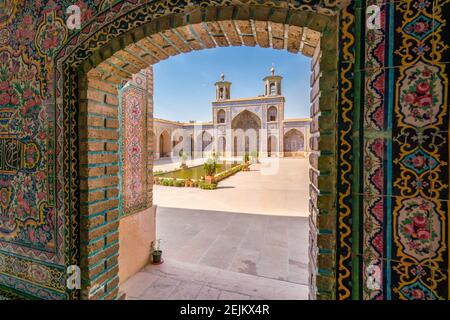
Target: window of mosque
[
  {"x": 221, "y": 116},
  {"x": 272, "y": 114},
  {"x": 272, "y": 89}
]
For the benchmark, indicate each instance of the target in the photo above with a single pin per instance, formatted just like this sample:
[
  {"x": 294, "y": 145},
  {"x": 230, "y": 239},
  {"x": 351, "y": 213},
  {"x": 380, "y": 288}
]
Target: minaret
[
  {"x": 272, "y": 84},
  {"x": 223, "y": 89}
]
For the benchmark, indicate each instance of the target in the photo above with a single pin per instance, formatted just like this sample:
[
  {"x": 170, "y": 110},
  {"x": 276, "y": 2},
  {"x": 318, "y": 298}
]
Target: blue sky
[{"x": 184, "y": 84}]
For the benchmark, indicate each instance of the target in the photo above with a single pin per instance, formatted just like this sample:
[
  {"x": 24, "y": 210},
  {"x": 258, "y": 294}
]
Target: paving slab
[{"x": 174, "y": 280}]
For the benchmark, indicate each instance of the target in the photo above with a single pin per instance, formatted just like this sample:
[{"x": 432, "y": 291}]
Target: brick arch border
[{"x": 96, "y": 68}]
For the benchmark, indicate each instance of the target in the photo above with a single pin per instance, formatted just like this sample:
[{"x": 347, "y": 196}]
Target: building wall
[
  {"x": 176, "y": 130},
  {"x": 232, "y": 109},
  {"x": 173, "y": 130},
  {"x": 303, "y": 128},
  {"x": 275, "y": 129}
]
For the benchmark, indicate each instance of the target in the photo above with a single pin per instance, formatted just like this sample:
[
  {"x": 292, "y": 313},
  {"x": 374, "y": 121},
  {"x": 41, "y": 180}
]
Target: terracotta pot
[{"x": 209, "y": 179}]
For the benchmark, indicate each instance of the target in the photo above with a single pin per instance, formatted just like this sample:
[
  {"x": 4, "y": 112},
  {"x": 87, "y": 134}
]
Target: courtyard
[
  {"x": 262, "y": 190},
  {"x": 248, "y": 239}
]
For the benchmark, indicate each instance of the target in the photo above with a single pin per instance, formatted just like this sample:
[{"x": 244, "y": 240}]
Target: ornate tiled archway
[
  {"x": 178, "y": 33},
  {"x": 86, "y": 70},
  {"x": 246, "y": 130}
]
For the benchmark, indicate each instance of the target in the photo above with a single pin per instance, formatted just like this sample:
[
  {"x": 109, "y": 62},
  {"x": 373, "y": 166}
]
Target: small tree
[
  {"x": 210, "y": 167},
  {"x": 184, "y": 157}
]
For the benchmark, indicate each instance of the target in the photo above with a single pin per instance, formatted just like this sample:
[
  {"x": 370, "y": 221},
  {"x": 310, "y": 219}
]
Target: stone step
[{"x": 175, "y": 280}]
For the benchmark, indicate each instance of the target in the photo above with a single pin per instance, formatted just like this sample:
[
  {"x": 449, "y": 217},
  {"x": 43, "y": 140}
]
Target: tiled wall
[{"x": 136, "y": 129}]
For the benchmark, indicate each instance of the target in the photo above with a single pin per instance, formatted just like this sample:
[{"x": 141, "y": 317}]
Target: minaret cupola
[
  {"x": 272, "y": 84},
  {"x": 223, "y": 87}
]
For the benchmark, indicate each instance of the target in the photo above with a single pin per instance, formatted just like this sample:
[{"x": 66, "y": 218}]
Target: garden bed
[{"x": 194, "y": 176}]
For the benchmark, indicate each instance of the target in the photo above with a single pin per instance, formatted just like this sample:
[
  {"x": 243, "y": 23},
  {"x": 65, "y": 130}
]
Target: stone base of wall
[
  {"x": 136, "y": 233},
  {"x": 297, "y": 154}
]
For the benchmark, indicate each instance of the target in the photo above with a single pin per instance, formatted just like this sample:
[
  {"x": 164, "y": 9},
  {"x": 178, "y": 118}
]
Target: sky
[{"x": 184, "y": 84}]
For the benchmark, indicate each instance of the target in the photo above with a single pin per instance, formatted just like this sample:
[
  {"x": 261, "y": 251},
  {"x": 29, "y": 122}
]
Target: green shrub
[
  {"x": 210, "y": 167},
  {"x": 179, "y": 183},
  {"x": 207, "y": 186},
  {"x": 167, "y": 182},
  {"x": 246, "y": 157}
]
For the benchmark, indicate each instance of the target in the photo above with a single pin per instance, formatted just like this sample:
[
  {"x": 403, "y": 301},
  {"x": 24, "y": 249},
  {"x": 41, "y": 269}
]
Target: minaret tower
[
  {"x": 272, "y": 84},
  {"x": 223, "y": 89}
]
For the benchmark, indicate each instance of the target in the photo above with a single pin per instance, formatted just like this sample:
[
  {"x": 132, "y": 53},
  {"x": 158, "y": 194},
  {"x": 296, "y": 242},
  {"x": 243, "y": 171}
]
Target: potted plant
[
  {"x": 210, "y": 167},
  {"x": 156, "y": 252},
  {"x": 184, "y": 157}
]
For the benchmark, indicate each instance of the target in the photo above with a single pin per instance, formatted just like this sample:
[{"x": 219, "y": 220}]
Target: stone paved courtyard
[
  {"x": 269, "y": 246},
  {"x": 220, "y": 254},
  {"x": 174, "y": 280},
  {"x": 274, "y": 187}
]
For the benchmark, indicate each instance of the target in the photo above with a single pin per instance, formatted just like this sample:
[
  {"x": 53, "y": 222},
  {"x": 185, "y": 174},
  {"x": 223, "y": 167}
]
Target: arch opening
[
  {"x": 147, "y": 51},
  {"x": 246, "y": 128},
  {"x": 164, "y": 144},
  {"x": 294, "y": 143},
  {"x": 221, "y": 116},
  {"x": 272, "y": 114}
]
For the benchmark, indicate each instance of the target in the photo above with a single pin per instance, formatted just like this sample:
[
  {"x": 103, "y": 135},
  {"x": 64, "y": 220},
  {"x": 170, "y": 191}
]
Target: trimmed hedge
[
  {"x": 229, "y": 172},
  {"x": 171, "y": 182},
  {"x": 207, "y": 186}
]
